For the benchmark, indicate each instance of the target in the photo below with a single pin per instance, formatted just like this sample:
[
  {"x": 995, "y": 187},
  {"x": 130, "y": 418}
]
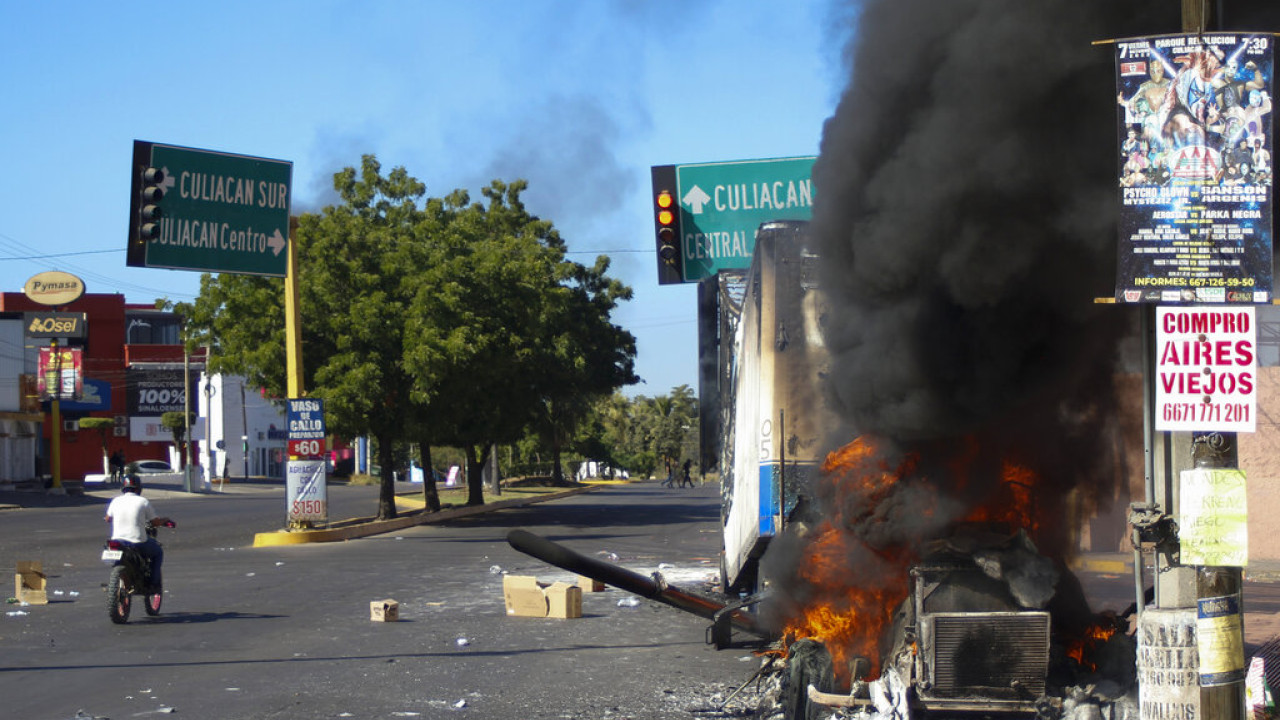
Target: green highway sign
[
  {"x": 722, "y": 204},
  {"x": 208, "y": 211}
]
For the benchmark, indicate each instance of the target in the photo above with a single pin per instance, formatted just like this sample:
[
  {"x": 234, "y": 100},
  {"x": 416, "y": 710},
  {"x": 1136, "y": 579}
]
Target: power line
[{"x": 59, "y": 255}]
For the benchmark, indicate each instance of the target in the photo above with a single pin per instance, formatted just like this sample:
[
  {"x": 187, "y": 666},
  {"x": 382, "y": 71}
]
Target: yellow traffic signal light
[
  {"x": 668, "y": 235},
  {"x": 667, "y": 219}
]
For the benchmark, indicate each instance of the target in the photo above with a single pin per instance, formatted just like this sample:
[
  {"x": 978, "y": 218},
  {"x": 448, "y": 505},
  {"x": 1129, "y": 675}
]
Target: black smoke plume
[{"x": 965, "y": 208}]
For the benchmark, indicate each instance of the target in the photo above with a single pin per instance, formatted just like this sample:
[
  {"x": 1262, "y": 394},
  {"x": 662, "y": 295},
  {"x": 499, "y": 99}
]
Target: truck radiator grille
[{"x": 993, "y": 655}]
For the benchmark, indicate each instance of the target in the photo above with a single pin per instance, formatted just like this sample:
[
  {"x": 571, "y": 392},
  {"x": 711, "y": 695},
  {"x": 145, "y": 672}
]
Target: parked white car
[{"x": 151, "y": 467}]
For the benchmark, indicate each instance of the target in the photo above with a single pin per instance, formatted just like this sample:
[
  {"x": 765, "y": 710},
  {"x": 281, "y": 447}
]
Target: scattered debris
[
  {"x": 29, "y": 583},
  {"x": 526, "y": 597},
  {"x": 384, "y": 610},
  {"x": 462, "y": 642}
]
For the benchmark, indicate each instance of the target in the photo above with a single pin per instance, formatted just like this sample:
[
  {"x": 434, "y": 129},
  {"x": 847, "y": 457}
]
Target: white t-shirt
[{"x": 130, "y": 515}]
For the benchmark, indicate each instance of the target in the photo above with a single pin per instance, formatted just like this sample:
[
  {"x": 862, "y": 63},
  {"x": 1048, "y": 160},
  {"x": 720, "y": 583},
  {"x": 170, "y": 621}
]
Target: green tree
[
  {"x": 363, "y": 264},
  {"x": 586, "y": 357},
  {"x": 509, "y": 333},
  {"x": 641, "y": 434},
  {"x": 423, "y": 320},
  {"x": 176, "y": 423},
  {"x": 103, "y": 426}
]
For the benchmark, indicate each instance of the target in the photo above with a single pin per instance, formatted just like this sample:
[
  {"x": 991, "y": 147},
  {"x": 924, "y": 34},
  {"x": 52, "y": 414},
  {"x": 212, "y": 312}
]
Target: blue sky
[{"x": 579, "y": 98}]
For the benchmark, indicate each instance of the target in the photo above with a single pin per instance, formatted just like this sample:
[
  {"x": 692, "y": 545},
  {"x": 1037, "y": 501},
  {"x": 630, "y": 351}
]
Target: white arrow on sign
[
  {"x": 168, "y": 182},
  {"x": 695, "y": 199},
  {"x": 276, "y": 242}
]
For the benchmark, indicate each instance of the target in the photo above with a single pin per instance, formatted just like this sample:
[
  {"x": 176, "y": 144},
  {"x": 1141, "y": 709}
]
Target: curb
[
  {"x": 1105, "y": 566},
  {"x": 364, "y": 527}
]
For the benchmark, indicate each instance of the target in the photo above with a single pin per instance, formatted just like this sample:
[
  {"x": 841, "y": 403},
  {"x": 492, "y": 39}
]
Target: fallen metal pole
[{"x": 623, "y": 579}]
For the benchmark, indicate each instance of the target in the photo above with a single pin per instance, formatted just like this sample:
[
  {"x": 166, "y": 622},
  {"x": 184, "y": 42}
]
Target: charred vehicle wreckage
[
  {"x": 881, "y": 579},
  {"x": 988, "y": 626}
]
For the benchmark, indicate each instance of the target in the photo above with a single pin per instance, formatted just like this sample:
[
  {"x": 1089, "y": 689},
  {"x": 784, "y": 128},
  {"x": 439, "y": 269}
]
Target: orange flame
[
  {"x": 849, "y": 613},
  {"x": 1082, "y": 650}
]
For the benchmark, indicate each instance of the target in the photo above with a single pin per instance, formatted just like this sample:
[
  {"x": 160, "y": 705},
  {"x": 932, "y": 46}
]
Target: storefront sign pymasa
[{"x": 53, "y": 288}]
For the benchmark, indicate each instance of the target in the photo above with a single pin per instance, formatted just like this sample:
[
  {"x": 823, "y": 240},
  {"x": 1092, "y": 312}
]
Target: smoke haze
[{"x": 965, "y": 208}]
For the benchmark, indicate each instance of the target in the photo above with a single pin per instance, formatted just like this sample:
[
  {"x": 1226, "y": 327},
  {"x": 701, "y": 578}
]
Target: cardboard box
[
  {"x": 524, "y": 596},
  {"x": 590, "y": 585},
  {"x": 29, "y": 583},
  {"x": 384, "y": 611},
  {"x": 564, "y": 601}
]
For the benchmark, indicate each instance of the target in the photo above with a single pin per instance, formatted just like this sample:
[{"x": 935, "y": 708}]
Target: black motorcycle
[{"x": 130, "y": 575}]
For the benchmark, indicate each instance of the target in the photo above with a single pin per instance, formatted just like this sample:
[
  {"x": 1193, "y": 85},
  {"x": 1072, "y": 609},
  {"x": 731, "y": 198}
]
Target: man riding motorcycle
[{"x": 130, "y": 515}]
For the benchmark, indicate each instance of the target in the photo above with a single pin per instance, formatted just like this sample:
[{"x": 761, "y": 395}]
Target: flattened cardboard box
[
  {"x": 384, "y": 610},
  {"x": 29, "y": 583},
  {"x": 524, "y": 596}
]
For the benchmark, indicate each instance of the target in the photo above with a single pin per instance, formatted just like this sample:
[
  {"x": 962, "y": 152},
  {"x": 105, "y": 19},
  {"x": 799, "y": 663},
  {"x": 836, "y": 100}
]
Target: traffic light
[
  {"x": 668, "y": 236},
  {"x": 666, "y": 220},
  {"x": 149, "y": 213}
]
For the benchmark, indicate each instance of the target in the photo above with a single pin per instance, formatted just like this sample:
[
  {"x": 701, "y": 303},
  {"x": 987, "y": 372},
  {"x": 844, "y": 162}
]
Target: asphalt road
[{"x": 285, "y": 632}]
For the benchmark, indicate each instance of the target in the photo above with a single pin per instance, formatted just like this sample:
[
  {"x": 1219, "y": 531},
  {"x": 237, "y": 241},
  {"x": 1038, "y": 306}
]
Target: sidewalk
[
  {"x": 14, "y": 496},
  {"x": 1259, "y": 570}
]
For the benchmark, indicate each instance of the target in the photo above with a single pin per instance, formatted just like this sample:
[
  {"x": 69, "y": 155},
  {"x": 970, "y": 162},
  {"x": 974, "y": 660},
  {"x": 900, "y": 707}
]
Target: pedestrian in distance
[
  {"x": 686, "y": 477},
  {"x": 671, "y": 475},
  {"x": 117, "y": 467}
]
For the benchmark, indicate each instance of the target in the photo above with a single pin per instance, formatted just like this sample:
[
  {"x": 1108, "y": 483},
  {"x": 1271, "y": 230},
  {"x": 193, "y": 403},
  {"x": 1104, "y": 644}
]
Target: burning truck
[
  {"x": 909, "y": 567},
  {"x": 882, "y": 578}
]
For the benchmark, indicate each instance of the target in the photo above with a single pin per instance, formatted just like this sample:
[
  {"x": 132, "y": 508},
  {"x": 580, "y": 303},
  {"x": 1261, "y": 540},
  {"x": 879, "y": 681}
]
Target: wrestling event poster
[{"x": 1195, "y": 168}]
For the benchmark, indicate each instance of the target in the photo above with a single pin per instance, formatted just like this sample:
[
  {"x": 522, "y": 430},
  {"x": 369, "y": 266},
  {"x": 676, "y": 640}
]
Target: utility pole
[
  {"x": 1196, "y": 621},
  {"x": 1217, "y": 450}
]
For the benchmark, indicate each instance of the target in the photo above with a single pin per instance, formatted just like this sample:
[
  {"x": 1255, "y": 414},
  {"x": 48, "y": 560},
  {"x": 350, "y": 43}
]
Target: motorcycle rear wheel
[{"x": 118, "y": 599}]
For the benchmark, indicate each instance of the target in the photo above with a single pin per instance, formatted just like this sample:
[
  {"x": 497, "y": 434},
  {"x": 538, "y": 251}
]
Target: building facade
[{"x": 133, "y": 370}]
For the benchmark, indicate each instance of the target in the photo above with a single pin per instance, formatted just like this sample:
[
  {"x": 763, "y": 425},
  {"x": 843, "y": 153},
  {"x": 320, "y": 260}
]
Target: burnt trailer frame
[{"x": 772, "y": 417}]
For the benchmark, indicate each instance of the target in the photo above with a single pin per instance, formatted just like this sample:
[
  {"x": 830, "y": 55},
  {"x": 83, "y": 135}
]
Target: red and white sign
[
  {"x": 59, "y": 373},
  {"x": 306, "y": 448},
  {"x": 1206, "y": 369},
  {"x": 306, "y": 495}
]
